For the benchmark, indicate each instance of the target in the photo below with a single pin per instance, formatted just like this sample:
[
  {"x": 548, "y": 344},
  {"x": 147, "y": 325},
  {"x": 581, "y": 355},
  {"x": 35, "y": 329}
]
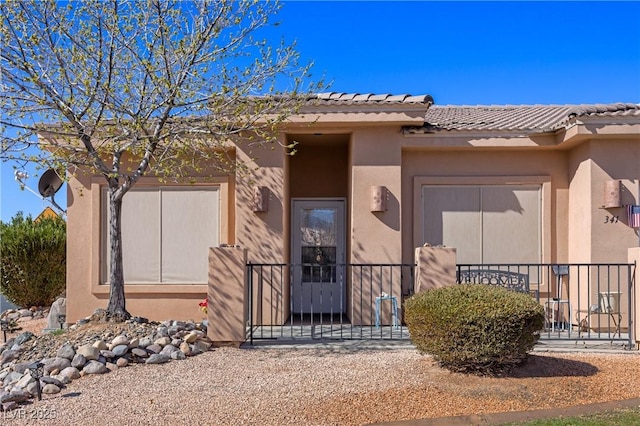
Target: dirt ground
[{"x": 367, "y": 387}]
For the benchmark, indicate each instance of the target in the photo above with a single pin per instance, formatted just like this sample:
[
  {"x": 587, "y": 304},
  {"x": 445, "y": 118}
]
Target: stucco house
[{"x": 374, "y": 177}]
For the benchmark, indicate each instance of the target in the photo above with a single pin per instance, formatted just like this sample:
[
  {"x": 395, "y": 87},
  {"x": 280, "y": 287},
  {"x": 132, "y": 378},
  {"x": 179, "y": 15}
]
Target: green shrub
[
  {"x": 33, "y": 260},
  {"x": 474, "y": 328}
]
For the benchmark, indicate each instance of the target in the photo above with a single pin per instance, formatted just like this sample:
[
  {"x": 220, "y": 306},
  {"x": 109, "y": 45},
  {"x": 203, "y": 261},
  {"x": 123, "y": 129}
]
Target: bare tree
[{"x": 124, "y": 89}]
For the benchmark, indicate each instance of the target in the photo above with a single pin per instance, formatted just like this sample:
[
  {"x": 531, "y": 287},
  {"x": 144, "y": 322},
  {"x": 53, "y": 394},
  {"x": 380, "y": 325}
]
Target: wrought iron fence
[
  {"x": 581, "y": 301},
  {"x": 331, "y": 301},
  {"x": 588, "y": 302}
]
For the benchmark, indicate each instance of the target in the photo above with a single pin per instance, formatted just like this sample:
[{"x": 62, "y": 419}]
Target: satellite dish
[{"x": 49, "y": 183}]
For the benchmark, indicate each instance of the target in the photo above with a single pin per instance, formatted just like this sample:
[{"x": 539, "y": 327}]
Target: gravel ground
[{"x": 274, "y": 386}]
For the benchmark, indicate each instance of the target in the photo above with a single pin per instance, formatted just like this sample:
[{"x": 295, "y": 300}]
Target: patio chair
[{"x": 608, "y": 304}]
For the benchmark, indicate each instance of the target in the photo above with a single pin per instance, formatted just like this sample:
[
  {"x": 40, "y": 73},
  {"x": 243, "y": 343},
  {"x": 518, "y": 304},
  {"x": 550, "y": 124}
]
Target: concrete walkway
[{"x": 405, "y": 344}]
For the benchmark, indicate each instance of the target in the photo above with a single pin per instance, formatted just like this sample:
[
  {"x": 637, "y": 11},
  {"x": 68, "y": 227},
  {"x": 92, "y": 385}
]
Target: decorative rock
[
  {"x": 162, "y": 341},
  {"x": 139, "y": 352},
  {"x": 50, "y": 388},
  {"x": 107, "y": 354},
  {"x": 62, "y": 379},
  {"x": 185, "y": 348},
  {"x": 32, "y": 388},
  {"x": 154, "y": 348},
  {"x": 25, "y": 313},
  {"x": 94, "y": 367},
  {"x": 100, "y": 352},
  {"x": 89, "y": 351},
  {"x": 202, "y": 345},
  {"x": 162, "y": 331},
  {"x": 70, "y": 372},
  {"x": 157, "y": 359},
  {"x": 100, "y": 344},
  {"x": 8, "y": 356},
  {"x": 120, "y": 350},
  {"x": 56, "y": 364},
  {"x": 167, "y": 350},
  {"x": 27, "y": 335},
  {"x": 120, "y": 340},
  {"x": 145, "y": 342},
  {"x": 11, "y": 378},
  {"x": 17, "y": 396},
  {"x": 78, "y": 361},
  {"x": 177, "y": 355},
  {"x": 52, "y": 380},
  {"x": 66, "y": 351},
  {"x": 21, "y": 367},
  {"x": 13, "y": 316},
  {"x": 24, "y": 381},
  {"x": 59, "y": 307},
  {"x": 191, "y": 337}
]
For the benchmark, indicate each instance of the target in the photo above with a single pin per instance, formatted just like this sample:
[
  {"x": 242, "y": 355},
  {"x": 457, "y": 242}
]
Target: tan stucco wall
[
  {"x": 262, "y": 233},
  {"x": 376, "y": 160},
  {"x": 593, "y": 237}
]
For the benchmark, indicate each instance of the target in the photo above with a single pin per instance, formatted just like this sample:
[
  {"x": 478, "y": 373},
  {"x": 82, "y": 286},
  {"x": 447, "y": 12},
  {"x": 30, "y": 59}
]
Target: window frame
[
  {"x": 545, "y": 201},
  {"x": 225, "y": 219}
]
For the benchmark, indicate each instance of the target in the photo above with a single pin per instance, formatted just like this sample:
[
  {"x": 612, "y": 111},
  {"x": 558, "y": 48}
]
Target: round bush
[
  {"x": 33, "y": 260},
  {"x": 474, "y": 328}
]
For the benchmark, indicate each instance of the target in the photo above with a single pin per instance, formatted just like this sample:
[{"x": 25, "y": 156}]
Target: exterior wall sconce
[
  {"x": 611, "y": 194},
  {"x": 260, "y": 199},
  {"x": 378, "y": 199}
]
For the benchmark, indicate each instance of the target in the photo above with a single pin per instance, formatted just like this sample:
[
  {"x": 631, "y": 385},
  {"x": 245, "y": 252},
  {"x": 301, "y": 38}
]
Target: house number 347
[{"x": 611, "y": 219}]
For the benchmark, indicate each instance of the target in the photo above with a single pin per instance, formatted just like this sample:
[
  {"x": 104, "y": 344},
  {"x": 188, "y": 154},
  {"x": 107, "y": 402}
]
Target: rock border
[{"x": 144, "y": 342}]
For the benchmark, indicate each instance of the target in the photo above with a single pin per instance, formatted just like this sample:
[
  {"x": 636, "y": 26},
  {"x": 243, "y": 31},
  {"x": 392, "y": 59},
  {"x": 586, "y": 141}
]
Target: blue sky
[{"x": 461, "y": 53}]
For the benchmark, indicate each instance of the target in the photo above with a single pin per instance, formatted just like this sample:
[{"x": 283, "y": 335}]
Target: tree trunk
[{"x": 116, "y": 309}]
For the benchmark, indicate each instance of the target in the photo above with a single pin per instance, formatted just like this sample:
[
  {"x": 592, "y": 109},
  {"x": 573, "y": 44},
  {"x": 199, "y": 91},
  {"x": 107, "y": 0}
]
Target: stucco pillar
[
  {"x": 436, "y": 267},
  {"x": 227, "y": 296},
  {"x": 634, "y": 257}
]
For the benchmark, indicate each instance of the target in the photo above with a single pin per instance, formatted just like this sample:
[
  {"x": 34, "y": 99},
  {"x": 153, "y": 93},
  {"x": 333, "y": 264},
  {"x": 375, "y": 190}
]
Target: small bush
[
  {"x": 474, "y": 328},
  {"x": 33, "y": 260}
]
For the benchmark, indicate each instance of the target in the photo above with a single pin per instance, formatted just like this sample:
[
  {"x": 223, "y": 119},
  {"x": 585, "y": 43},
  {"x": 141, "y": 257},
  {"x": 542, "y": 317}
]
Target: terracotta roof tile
[
  {"x": 519, "y": 117},
  {"x": 371, "y": 98}
]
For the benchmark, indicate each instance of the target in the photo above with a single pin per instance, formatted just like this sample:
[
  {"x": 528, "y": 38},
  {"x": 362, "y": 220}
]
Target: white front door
[{"x": 318, "y": 245}]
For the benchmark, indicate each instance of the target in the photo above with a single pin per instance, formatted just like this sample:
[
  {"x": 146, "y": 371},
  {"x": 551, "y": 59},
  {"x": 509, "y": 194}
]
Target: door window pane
[{"x": 318, "y": 245}]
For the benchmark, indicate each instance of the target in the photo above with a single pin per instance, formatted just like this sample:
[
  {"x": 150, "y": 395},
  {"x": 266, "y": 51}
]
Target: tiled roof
[
  {"x": 519, "y": 117},
  {"x": 370, "y": 98}
]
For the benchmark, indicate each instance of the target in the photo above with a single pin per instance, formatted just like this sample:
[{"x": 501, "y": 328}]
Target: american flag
[{"x": 633, "y": 215}]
